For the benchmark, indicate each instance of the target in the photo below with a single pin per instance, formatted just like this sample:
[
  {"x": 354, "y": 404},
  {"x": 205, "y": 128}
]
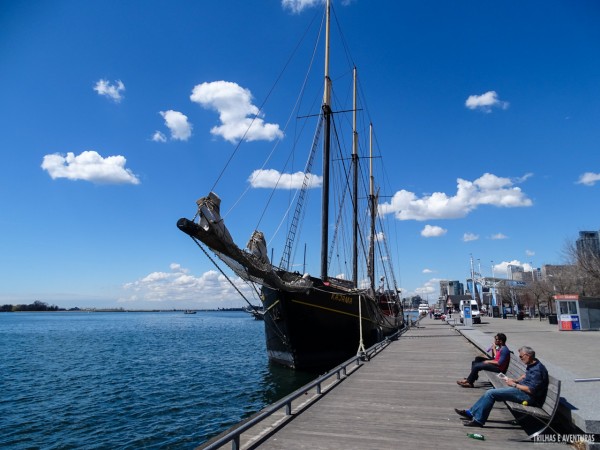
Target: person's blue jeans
[
  {"x": 479, "y": 365},
  {"x": 481, "y": 409}
]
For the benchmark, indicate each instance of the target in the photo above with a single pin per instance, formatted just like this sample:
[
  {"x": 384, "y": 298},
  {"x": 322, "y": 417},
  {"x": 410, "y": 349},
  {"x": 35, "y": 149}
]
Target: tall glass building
[{"x": 589, "y": 243}]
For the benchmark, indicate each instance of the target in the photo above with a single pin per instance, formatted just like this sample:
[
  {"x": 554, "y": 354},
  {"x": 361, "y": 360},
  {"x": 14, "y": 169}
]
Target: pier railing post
[{"x": 234, "y": 436}]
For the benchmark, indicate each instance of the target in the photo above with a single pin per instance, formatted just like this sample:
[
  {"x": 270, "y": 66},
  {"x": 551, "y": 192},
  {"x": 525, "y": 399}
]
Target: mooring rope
[{"x": 361, "y": 346}]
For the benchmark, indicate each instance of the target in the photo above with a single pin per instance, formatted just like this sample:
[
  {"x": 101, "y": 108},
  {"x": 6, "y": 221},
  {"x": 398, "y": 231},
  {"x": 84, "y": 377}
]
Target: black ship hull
[{"x": 320, "y": 328}]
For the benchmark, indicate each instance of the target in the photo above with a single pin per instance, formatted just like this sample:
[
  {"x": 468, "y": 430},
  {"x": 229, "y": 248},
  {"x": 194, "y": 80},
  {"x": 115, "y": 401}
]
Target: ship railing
[{"x": 321, "y": 385}]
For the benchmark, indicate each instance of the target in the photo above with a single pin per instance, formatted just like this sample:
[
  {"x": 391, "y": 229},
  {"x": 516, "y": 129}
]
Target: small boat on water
[
  {"x": 257, "y": 312},
  {"x": 318, "y": 321},
  {"x": 189, "y": 311}
]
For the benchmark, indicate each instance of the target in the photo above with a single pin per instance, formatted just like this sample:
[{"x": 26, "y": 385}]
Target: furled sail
[{"x": 252, "y": 264}]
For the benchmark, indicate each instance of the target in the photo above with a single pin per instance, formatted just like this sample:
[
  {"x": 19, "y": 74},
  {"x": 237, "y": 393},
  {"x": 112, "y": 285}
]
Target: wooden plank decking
[{"x": 403, "y": 398}]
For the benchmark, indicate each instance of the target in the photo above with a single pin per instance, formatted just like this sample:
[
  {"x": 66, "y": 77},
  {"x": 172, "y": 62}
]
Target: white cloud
[
  {"x": 112, "y": 91},
  {"x": 495, "y": 268},
  {"x": 240, "y": 119},
  {"x": 523, "y": 179},
  {"x": 468, "y": 237},
  {"x": 177, "y": 268},
  {"x": 529, "y": 253},
  {"x": 498, "y": 236},
  {"x": 159, "y": 137},
  {"x": 589, "y": 178},
  {"x": 273, "y": 179},
  {"x": 502, "y": 268},
  {"x": 178, "y": 124},
  {"x": 297, "y": 6},
  {"x": 211, "y": 289},
  {"x": 430, "y": 287},
  {"x": 433, "y": 231},
  {"x": 89, "y": 166},
  {"x": 485, "y": 102},
  {"x": 486, "y": 190},
  {"x": 380, "y": 237},
  {"x": 427, "y": 271}
]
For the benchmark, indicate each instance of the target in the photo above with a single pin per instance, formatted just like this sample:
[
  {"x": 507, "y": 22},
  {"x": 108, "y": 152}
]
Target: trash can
[
  {"x": 520, "y": 315},
  {"x": 496, "y": 311},
  {"x": 552, "y": 319}
]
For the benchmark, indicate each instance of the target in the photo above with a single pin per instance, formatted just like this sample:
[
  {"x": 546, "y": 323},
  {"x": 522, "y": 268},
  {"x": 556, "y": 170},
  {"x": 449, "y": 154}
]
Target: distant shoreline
[{"x": 120, "y": 310}]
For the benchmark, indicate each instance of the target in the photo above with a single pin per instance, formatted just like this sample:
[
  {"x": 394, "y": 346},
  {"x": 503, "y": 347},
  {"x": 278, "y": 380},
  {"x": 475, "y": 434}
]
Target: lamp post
[
  {"x": 532, "y": 287},
  {"x": 494, "y": 303},
  {"x": 553, "y": 290},
  {"x": 480, "y": 279}
]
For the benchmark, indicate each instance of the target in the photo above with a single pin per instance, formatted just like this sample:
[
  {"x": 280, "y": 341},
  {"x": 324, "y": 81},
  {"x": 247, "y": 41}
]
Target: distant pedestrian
[
  {"x": 497, "y": 363},
  {"x": 431, "y": 313},
  {"x": 531, "y": 387}
]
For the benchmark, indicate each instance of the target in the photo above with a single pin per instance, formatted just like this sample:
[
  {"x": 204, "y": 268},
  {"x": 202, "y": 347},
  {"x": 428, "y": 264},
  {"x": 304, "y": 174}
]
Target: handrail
[{"x": 234, "y": 435}]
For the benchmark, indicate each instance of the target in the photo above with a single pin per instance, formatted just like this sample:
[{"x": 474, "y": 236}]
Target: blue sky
[{"x": 117, "y": 116}]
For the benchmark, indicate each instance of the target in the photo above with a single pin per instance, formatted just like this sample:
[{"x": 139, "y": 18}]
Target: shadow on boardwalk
[{"x": 403, "y": 398}]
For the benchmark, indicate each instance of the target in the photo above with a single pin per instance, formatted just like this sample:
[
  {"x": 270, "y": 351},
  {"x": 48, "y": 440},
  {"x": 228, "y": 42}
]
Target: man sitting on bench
[
  {"x": 498, "y": 363},
  {"x": 530, "y": 387}
]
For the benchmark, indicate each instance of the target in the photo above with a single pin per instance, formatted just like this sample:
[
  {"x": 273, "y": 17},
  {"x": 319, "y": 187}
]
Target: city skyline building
[{"x": 588, "y": 243}]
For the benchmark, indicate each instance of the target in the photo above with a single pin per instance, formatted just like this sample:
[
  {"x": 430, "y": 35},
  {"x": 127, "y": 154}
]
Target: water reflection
[{"x": 281, "y": 381}]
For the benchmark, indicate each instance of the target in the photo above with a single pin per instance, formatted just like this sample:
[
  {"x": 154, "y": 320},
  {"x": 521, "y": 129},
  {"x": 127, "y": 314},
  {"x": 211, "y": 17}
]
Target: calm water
[{"x": 132, "y": 380}]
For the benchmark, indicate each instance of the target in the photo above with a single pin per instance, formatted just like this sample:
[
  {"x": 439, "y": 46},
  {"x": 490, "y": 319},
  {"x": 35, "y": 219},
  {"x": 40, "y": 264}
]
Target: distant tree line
[{"x": 35, "y": 306}]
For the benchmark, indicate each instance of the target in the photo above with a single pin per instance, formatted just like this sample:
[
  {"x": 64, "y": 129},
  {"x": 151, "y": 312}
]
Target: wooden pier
[{"x": 402, "y": 398}]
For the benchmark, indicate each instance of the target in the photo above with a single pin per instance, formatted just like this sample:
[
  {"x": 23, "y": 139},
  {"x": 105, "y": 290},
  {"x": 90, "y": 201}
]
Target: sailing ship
[{"x": 314, "y": 322}]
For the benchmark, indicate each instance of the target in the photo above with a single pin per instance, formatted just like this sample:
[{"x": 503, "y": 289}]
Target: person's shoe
[
  {"x": 463, "y": 413},
  {"x": 473, "y": 423},
  {"x": 464, "y": 383}
]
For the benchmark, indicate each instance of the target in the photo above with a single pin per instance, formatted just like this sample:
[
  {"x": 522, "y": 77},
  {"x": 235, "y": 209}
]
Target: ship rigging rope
[
  {"x": 274, "y": 326},
  {"x": 345, "y": 189},
  {"x": 260, "y": 109},
  {"x": 224, "y": 274}
]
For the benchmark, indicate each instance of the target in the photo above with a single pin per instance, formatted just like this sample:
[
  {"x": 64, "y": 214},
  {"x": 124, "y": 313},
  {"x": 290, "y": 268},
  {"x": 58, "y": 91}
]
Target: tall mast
[
  {"x": 326, "y": 150},
  {"x": 373, "y": 208},
  {"x": 354, "y": 189},
  {"x": 473, "y": 279}
]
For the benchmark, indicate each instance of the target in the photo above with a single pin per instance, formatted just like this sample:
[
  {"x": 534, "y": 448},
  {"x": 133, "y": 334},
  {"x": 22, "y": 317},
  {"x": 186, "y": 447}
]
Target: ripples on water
[{"x": 132, "y": 380}]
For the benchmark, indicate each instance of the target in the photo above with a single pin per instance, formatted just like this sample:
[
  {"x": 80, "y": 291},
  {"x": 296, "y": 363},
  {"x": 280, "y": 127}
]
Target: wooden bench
[{"x": 545, "y": 413}]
